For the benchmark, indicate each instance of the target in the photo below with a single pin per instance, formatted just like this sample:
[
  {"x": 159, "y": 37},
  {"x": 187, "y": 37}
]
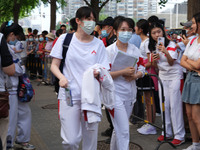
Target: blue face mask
[
  {"x": 104, "y": 33},
  {"x": 124, "y": 37},
  {"x": 12, "y": 42},
  {"x": 30, "y": 39},
  {"x": 27, "y": 40},
  {"x": 36, "y": 39},
  {"x": 41, "y": 39}
]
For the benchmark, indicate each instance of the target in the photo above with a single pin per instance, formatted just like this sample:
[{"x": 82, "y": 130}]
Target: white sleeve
[
  {"x": 172, "y": 49},
  {"x": 146, "y": 46},
  {"x": 57, "y": 49},
  {"x": 182, "y": 46}
]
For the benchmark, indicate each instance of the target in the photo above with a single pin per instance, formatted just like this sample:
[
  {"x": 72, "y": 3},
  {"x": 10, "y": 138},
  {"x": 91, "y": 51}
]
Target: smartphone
[
  {"x": 161, "y": 40},
  {"x": 184, "y": 33}
]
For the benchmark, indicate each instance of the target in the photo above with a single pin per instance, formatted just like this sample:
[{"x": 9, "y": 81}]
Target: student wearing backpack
[
  {"x": 84, "y": 51},
  {"x": 191, "y": 61},
  {"x": 19, "y": 113}
]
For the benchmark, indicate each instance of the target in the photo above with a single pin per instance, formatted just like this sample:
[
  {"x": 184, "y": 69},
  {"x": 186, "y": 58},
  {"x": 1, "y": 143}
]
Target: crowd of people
[{"x": 113, "y": 57}]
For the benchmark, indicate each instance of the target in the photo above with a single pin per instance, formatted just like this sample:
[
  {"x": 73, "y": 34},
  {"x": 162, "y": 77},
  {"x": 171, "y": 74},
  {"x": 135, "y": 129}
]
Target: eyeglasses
[{"x": 126, "y": 29}]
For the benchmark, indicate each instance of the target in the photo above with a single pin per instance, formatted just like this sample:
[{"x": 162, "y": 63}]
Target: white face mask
[
  {"x": 88, "y": 27},
  {"x": 124, "y": 36}
]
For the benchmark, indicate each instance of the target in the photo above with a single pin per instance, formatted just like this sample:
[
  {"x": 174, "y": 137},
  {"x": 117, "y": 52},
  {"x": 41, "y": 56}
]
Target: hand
[
  {"x": 155, "y": 56},
  {"x": 185, "y": 40},
  {"x": 128, "y": 71},
  {"x": 63, "y": 82},
  {"x": 96, "y": 73},
  {"x": 14, "y": 49},
  {"x": 162, "y": 48}
]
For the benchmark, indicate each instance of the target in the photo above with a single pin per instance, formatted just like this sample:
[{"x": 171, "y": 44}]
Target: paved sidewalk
[{"x": 45, "y": 133}]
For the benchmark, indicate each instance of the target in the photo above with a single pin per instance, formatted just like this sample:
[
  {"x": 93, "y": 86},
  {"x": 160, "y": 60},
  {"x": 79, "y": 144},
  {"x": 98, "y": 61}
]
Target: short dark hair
[
  {"x": 73, "y": 24},
  {"x": 152, "y": 42},
  {"x": 144, "y": 25},
  {"x": 152, "y": 19},
  {"x": 7, "y": 29},
  {"x": 35, "y": 31},
  {"x": 59, "y": 32},
  {"x": 62, "y": 26},
  {"x": 44, "y": 32},
  {"x": 118, "y": 22},
  {"x": 29, "y": 30},
  {"x": 197, "y": 20},
  {"x": 84, "y": 12}
]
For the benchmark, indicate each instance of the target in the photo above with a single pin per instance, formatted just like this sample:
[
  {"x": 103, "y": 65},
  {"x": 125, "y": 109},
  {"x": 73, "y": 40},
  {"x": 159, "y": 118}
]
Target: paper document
[{"x": 123, "y": 60}]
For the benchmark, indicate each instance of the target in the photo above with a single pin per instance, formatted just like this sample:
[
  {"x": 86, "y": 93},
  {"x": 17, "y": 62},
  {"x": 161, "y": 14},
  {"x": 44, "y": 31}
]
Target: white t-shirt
[
  {"x": 167, "y": 72},
  {"x": 125, "y": 90},
  {"x": 80, "y": 56},
  {"x": 144, "y": 48},
  {"x": 193, "y": 51}
]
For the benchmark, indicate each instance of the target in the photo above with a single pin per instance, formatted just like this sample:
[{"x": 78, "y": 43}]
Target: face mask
[
  {"x": 104, "y": 33},
  {"x": 12, "y": 42},
  {"x": 41, "y": 39},
  {"x": 88, "y": 27},
  {"x": 36, "y": 39},
  {"x": 124, "y": 37},
  {"x": 27, "y": 40},
  {"x": 30, "y": 39}
]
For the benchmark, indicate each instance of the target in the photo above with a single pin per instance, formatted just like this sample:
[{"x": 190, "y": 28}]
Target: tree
[
  {"x": 54, "y": 5},
  {"x": 193, "y": 7},
  {"x": 15, "y": 9},
  {"x": 97, "y": 5}
]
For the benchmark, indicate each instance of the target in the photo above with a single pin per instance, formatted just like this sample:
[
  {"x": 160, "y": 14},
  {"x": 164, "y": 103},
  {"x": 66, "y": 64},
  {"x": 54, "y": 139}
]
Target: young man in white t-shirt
[{"x": 84, "y": 51}]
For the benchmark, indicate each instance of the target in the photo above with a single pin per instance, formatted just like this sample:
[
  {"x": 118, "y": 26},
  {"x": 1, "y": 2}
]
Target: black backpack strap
[{"x": 65, "y": 49}]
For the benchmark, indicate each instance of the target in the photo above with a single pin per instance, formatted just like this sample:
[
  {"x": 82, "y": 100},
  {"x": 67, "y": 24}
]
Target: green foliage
[
  {"x": 162, "y": 3},
  {"x": 102, "y": 17},
  {"x": 7, "y": 8}
]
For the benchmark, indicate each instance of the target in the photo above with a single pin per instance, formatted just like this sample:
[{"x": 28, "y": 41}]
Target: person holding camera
[{"x": 171, "y": 75}]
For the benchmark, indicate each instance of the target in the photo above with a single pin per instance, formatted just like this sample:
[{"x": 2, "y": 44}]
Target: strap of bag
[
  {"x": 65, "y": 49},
  {"x": 192, "y": 41}
]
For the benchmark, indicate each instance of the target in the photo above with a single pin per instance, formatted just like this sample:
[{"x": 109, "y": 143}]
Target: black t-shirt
[
  {"x": 111, "y": 40},
  {"x": 6, "y": 57}
]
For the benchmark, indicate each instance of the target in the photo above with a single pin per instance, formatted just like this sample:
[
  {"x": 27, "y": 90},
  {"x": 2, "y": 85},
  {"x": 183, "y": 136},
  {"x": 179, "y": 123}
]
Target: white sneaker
[
  {"x": 142, "y": 127},
  {"x": 189, "y": 148},
  {"x": 147, "y": 129},
  {"x": 196, "y": 148},
  {"x": 192, "y": 147}
]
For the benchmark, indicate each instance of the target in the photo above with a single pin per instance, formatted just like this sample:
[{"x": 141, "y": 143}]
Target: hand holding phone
[
  {"x": 184, "y": 33},
  {"x": 161, "y": 41}
]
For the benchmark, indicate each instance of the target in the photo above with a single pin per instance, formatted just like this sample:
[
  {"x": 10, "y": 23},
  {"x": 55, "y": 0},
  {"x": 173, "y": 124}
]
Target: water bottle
[{"x": 68, "y": 96}]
